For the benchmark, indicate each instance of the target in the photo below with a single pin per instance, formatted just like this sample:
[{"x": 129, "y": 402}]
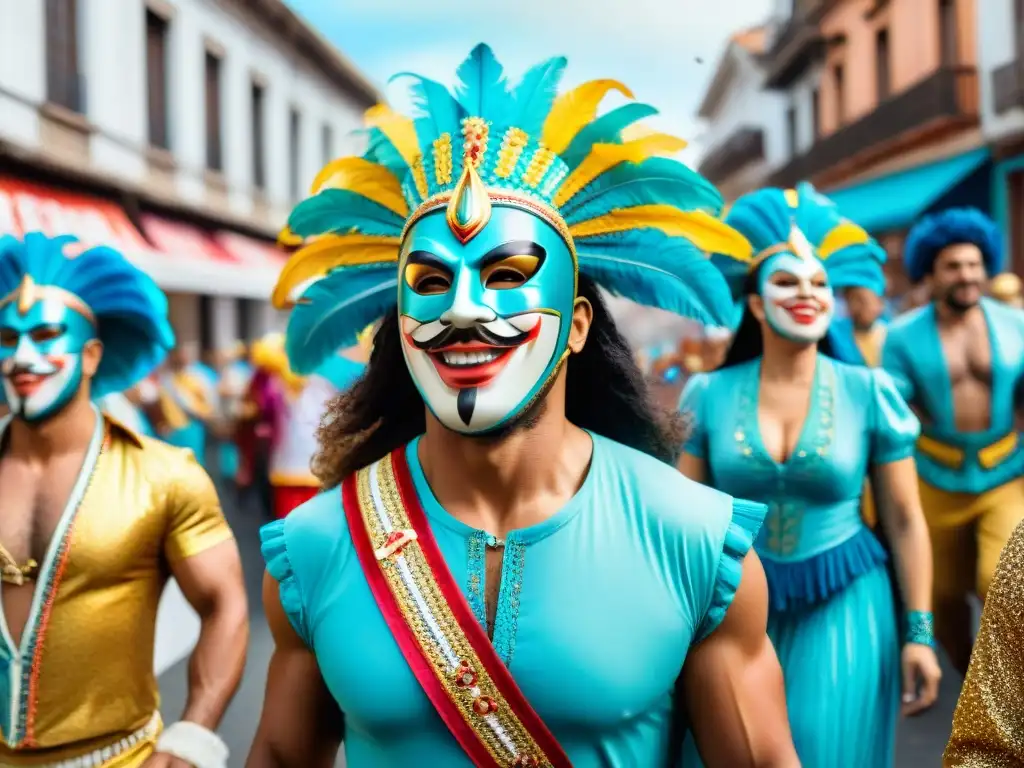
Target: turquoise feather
[
  {"x": 607, "y": 129},
  {"x": 333, "y": 311},
  {"x": 483, "y": 88},
  {"x": 340, "y": 210},
  {"x": 653, "y": 269},
  {"x": 438, "y": 112},
  {"x": 673, "y": 192},
  {"x": 536, "y": 93},
  {"x": 381, "y": 151}
]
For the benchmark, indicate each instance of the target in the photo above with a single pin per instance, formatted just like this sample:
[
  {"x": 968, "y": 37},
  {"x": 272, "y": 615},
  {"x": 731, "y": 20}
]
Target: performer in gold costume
[
  {"x": 93, "y": 520},
  {"x": 988, "y": 727}
]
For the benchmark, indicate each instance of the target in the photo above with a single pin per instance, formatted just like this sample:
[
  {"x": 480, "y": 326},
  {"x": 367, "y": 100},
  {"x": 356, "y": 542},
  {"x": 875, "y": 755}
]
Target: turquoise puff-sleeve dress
[
  {"x": 598, "y": 606},
  {"x": 831, "y": 614}
]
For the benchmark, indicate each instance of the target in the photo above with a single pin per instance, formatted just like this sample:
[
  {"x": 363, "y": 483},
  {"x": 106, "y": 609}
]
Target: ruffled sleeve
[
  {"x": 274, "y": 547},
  {"x": 747, "y": 517},
  {"x": 894, "y": 427},
  {"x": 691, "y": 408}
]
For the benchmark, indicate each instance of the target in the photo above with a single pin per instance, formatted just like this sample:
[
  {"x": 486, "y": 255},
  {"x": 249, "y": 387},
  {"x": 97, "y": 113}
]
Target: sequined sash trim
[{"x": 445, "y": 646}]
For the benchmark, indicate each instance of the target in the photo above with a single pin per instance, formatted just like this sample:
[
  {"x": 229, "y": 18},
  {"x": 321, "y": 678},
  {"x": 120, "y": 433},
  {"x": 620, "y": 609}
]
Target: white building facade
[{"x": 181, "y": 131}]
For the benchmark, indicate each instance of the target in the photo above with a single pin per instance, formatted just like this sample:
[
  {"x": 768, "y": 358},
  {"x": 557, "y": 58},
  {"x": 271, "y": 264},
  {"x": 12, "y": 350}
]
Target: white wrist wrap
[{"x": 194, "y": 744}]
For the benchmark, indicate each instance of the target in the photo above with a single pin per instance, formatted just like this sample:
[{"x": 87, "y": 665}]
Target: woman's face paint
[{"x": 798, "y": 301}]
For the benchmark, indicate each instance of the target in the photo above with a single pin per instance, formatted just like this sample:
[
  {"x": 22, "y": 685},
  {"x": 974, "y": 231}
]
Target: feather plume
[
  {"x": 845, "y": 234},
  {"x": 705, "y": 232},
  {"x": 398, "y": 129},
  {"x": 331, "y": 313},
  {"x": 381, "y": 151},
  {"x": 437, "y": 110},
  {"x": 339, "y": 211},
  {"x": 607, "y": 129},
  {"x": 605, "y": 156},
  {"x": 331, "y": 252},
  {"x": 623, "y": 186},
  {"x": 653, "y": 269},
  {"x": 536, "y": 93},
  {"x": 370, "y": 180},
  {"x": 576, "y": 109},
  {"x": 288, "y": 239},
  {"x": 483, "y": 89}
]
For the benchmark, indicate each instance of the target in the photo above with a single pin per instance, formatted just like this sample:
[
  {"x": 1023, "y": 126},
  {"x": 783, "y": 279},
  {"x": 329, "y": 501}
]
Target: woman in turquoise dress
[{"x": 784, "y": 422}]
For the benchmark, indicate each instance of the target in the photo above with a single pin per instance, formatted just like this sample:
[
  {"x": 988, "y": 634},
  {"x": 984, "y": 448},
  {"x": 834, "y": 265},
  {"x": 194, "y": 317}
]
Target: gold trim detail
[
  {"x": 29, "y": 292},
  {"x": 539, "y": 165},
  {"x": 511, "y": 150},
  {"x": 475, "y": 133},
  {"x": 468, "y": 684},
  {"x": 443, "y": 159},
  {"x": 469, "y": 209}
]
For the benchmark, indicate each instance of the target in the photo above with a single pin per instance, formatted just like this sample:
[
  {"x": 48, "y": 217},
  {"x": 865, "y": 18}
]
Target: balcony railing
[
  {"x": 1008, "y": 86},
  {"x": 796, "y": 45},
  {"x": 948, "y": 98},
  {"x": 744, "y": 146}
]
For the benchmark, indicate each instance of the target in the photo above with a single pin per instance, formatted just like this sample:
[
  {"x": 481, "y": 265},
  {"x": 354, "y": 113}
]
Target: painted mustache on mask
[
  {"x": 478, "y": 333},
  {"x": 41, "y": 367}
]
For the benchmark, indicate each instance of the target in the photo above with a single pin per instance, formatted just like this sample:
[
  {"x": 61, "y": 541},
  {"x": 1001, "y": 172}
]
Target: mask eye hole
[
  {"x": 8, "y": 337},
  {"x": 784, "y": 280},
  {"x": 427, "y": 279},
  {"x": 42, "y": 333},
  {"x": 510, "y": 272}
]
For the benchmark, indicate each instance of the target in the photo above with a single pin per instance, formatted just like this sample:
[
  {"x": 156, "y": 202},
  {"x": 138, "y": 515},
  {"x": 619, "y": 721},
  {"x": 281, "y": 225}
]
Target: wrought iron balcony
[
  {"x": 945, "y": 100},
  {"x": 743, "y": 146},
  {"x": 1008, "y": 86},
  {"x": 797, "y": 44}
]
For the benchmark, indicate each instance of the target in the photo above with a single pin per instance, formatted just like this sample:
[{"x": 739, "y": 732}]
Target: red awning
[
  {"x": 26, "y": 207},
  {"x": 182, "y": 257}
]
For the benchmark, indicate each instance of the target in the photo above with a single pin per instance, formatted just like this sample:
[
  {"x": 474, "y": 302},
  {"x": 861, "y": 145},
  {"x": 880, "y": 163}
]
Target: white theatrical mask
[{"x": 801, "y": 310}]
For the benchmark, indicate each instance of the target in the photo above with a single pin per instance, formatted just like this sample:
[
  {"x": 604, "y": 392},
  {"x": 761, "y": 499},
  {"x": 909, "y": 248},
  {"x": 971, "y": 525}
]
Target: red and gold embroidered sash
[{"x": 442, "y": 641}]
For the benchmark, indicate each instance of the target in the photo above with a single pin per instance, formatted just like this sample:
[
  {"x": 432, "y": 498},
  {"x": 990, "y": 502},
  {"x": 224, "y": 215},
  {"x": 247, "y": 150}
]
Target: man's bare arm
[
  {"x": 212, "y": 584},
  {"x": 301, "y": 725},
  {"x": 734, "y": 689}
]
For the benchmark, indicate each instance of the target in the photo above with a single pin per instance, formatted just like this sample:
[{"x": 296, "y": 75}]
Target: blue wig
[
  {"x": 130, "y": 310},
  {"x": 954, "y": 226}
]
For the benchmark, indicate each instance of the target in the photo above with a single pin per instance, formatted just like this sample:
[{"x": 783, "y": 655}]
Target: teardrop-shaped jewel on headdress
[
  {"x": 26, "y": 295},
  {"x": 469, "y": 209},
  {"x": 801, "y": 247}
]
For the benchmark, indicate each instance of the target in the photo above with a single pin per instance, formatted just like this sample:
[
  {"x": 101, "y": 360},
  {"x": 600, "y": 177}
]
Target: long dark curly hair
[{"x": 605, "y": 393}]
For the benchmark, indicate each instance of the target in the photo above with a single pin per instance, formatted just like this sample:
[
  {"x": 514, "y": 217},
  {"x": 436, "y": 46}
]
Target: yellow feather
[
  {"x": 703, "y": 230},
  {"x": 842, "y": 235},
  {"x": 792, "y": 198},
  {"x": 576, "y": 109},
  {"x": 328, "y": 252},
  {"x": 288, "y": 239},
  {"x": 605, "y": 156},
  {"x": 372, "y": 181},
  {"x": 398, "y": 128}
]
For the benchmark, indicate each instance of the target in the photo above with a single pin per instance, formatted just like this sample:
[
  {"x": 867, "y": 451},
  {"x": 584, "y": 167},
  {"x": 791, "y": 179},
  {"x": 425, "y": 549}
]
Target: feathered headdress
[
  {"x": 637, "y": 222},
  {"x": 952, "y": 227},
  {"x": 807, "y": 224},
  {"x": 129, "y": 309}
]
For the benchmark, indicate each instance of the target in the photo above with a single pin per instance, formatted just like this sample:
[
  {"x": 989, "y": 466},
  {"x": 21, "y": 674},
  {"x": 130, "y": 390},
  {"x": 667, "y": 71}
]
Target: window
[
  {"x": 1018, "y": 25},
  {"x": 882, "y": 77},
  {"x": 207, "y": 321},
  {"x": 947, "y": 32},
  {"x": 259, "y": 167},
  {"x": 294, "y": 126},
  {"x": 156, "y": 79},
  {"x": 214, "y": 149},
  {"x": 816, "y": 113},
  {"x": 63, "y": 82},
  {"x": 244, "y": 312},
  {"x": 840, "y": 94},
  {"x": 326, "y": 143},
  {"x": 791, "y": 130}
]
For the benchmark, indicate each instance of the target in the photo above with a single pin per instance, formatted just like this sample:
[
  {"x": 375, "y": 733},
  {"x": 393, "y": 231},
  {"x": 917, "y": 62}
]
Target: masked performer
[
  {"x": 958, "y": 361},
  {"x": 507, "y": 503},
  {"x": 988, "y": 727},
  {"x": 783, "y": 422},
  {"x": 93, "y": 518}
]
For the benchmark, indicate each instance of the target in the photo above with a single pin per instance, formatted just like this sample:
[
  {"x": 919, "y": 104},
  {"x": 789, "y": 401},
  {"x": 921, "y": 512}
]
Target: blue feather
[
  {"x": 339, "y": 211},
  {"x": 536, "y": 93},
  {"x": 673, "y": 192},
  {"x": 437, "y": 110},
  {"x": 333, "y": 311},
  {"x": 620, "y": 184},
  {"x": 483, "y": 89},
  {"x": 130, "y": 310},
  {"x": 381, "y": 151},
  {"x": 607, "y": 129},
  {"x": 653, "y": 269}
]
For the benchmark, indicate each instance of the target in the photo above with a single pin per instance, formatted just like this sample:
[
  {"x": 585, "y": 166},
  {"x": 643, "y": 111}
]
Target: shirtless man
[
  {"x": 958, "y": 360},
  {"x": 93, "y": 519}
]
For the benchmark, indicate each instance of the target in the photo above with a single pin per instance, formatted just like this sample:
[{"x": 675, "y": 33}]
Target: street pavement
[{"x": 919, "y": 744}]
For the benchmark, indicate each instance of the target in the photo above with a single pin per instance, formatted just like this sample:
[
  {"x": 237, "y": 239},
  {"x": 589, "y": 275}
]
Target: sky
[{"x": 664, "y": 50}]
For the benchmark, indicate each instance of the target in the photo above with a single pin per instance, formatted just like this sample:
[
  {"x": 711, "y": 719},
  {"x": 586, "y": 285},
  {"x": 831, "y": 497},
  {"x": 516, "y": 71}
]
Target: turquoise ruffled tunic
[
  {"x": 597, "y": 609},
  {"x": 832, "y": 618}
]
